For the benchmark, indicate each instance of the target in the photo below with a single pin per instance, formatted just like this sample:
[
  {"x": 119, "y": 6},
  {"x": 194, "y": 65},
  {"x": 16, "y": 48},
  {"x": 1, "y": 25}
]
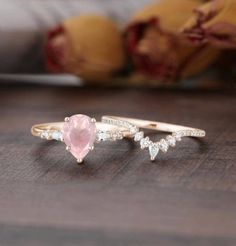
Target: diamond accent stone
[
  {"x": 138, "y": 136},
  {"x": 177, "y": 136},
  {"x": 144, "y": 143},
  {"x": 171, "y": 140},
  {"x": 57, "y": 135},
  {"x": 153, "y": 151},
  {"x": 163, "y": 145},
  {"x": 44, "y": 135},
  {"x": 133, "y": 129},
  {"x": 109, "y": 135},
  {"x": 117, "y": 135},
  {"x": 103, "y": 136}
]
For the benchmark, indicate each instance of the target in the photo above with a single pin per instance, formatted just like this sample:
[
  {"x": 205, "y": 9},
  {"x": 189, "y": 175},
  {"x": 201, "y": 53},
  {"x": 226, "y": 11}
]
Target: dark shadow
[
  {"x": 203, "y": 146},
  {"x": 51, "y": 157}
]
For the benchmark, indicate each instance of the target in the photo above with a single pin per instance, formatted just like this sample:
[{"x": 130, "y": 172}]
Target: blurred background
[
  {"x": 24, "y": 26},
  {"x": 176, "y": 43}
]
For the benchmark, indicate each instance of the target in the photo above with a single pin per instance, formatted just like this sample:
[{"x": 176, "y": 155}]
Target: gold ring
[
  {"x": 177, "y": 132},
  {"x": 80, "y": 132}
]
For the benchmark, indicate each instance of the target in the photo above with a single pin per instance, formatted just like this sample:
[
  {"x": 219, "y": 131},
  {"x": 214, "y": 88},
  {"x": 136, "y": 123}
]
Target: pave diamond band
[{"x": 177, "y": 132}]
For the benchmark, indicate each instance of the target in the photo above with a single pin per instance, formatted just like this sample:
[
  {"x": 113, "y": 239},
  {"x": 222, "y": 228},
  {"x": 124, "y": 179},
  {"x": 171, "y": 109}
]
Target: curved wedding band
[
  {"x": 80, "y": 132},
  {"x": 177, "y": 132}
]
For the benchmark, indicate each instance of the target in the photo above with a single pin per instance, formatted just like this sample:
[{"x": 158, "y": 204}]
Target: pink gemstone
[{"x": 79, "y": 134}]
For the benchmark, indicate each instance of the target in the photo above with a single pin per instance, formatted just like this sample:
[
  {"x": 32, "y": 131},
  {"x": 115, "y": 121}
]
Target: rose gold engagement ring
[{"x": 80, "y": 132}]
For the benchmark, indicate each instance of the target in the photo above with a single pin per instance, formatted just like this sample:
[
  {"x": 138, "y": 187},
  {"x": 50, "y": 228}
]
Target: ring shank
[{"x": 36, "y": 130}]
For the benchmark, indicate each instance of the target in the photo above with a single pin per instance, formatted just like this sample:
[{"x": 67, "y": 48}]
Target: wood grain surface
[{"x": 187, "y": 197}]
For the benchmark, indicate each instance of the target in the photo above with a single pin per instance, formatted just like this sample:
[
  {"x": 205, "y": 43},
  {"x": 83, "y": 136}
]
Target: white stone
[
  {"x": 102, "y": 136},
  {"x": 116, "y": 135},
  {"x": 44, "y": 135},
  {"x": 138, "y": 136},
  {"x": 144, "y": 143},
  {"x": 57, "y": 135},
  {"x": 171, "y": 140},
  {"x": 133, "y": 129},
  {"x": 163, "y": 145},
  {"x": 153, "y": 151},
  {"x": 177, "y": 136}
]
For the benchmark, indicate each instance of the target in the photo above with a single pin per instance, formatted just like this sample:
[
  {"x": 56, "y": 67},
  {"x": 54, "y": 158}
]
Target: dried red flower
[
  {"x": 158, "y": 48},
  {"x": 213, "y": 22},
  {"x": 89, "y": 46}
]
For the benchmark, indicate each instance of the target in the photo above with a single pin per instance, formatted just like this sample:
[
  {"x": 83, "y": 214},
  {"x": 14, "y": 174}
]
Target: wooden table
[{"x": 187, "y": 197}]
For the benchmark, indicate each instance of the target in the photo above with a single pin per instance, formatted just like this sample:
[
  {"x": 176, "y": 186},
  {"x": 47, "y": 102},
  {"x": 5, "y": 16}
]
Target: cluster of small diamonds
[
  {"x": 115, "y": 135},
  {"x": 108, "y": 135},
  {"x": 52, "y": 134},
  {"x": 164, "y": 143},
  {"x": 154, "y": 147},
  {"x": 125, "y": 124}
]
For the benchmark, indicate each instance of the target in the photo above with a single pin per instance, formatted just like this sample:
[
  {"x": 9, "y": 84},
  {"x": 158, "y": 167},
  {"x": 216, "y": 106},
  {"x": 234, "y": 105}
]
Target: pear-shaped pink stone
[{"x": 79, "y": 133}]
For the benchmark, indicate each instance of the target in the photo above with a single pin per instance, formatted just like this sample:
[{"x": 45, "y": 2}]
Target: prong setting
[
  {"x": 67, "y": 119},
  {"x": 79, "y": 161},
  {"x": 68, "y": 148},
  {"x": 93, "y": 120}
]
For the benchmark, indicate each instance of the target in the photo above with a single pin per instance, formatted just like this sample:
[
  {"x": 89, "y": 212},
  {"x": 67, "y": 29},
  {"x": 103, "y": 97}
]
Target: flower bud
[
  {"x": 213, "y": 22},
  {"x": 88, "y": 46},
  {"x": 157, "y": 46}
]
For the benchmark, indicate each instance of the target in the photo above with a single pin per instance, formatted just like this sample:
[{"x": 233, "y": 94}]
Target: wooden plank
[{"x": 118, "y": 197}]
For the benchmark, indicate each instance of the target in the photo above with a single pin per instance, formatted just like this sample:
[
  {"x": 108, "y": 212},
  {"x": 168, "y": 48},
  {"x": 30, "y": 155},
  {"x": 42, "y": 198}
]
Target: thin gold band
[{"x": 154, "y": 125}]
